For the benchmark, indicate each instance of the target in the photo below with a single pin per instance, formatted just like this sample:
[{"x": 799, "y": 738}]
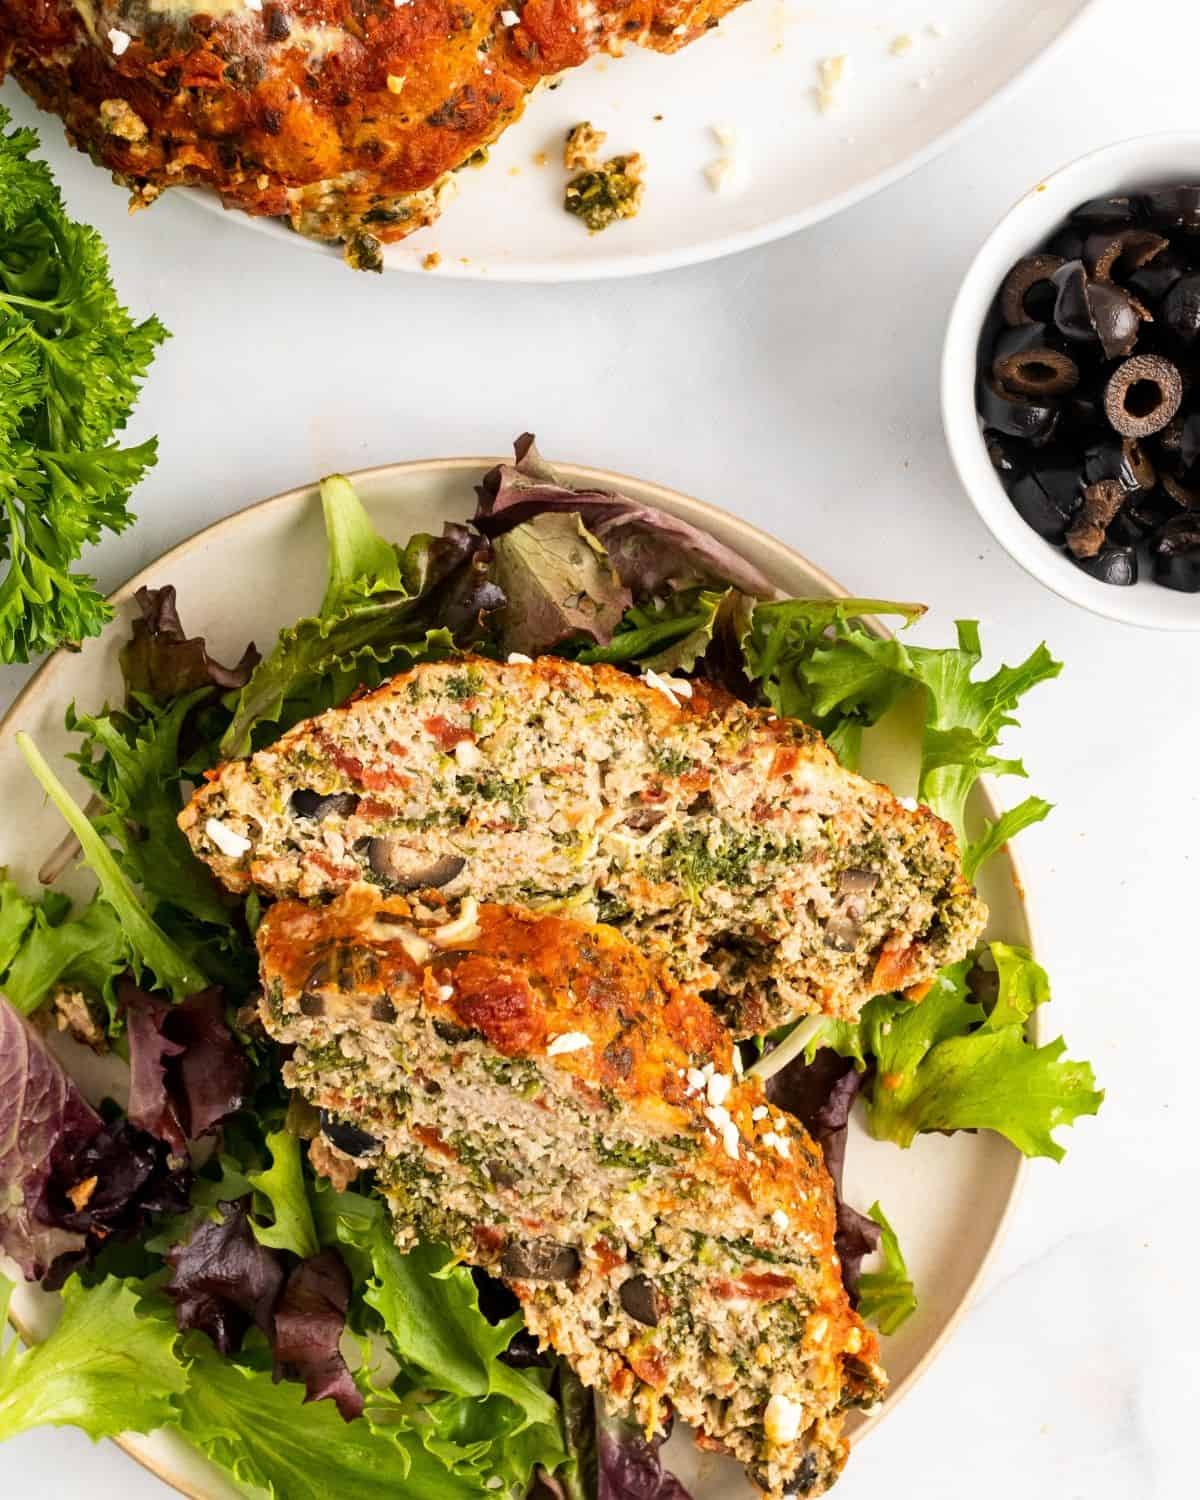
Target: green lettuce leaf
[
  {"x": 558, "y": 584},
  {"x": 282, "y": 1185},
  {"x": 147, "y": 946},
  {"x": 429, "y": 1307},
  {"x": 107, "y": 1367},
  {"x": 264, "y": 1435},
  {"x": 949, "y": 1064},
  {"x": 89, "y": 951},
  {"x": 379, "y": 611},
  {"x": 131, "y": 759},
  {"x": 815, "y": 660},
  {"x": 663, "y": 636},
  {"x": 997, "y": 832},
  {"x": 886, "y": 1297}
]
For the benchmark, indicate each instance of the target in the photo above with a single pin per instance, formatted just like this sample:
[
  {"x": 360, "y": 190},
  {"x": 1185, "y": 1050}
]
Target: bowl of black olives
[{"x": 1071, "y": 382}]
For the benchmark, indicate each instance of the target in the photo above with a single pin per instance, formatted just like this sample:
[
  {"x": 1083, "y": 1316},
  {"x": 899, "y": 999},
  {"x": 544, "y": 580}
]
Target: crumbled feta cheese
[
  {"x": 780, "y": 1219},
  {"x": 832, "y": 72},
  {"x": 568, "y": 1041},
  {"x": 413, "y": 944},
  {"x": 738, "y": 1064},
  {"x": 778, "y": 1143},
  {"x": 462, "y": 929},
  {"x": 395, "y": 82},
  {"x": 721, "y": 174},
  {"x": 817, "y": 1330},
  {"x": 908, "y": 803},
  {"x": 445, "y": 992},
  {"x": 516, "y": 658},
  {"x": 254, "y": 4},
  {"x": 781, "y": 1420},
  {"x": 696, "y": 1080},
  {"x": 725, "y": 135},
  {"x": 229, "y": 843},
  {"x": 673, "y": 688},
  {"x": 719, "y": 1118},
  {"x": 718, "y": 1088},
  {"x": 466, "y": 753},
  {"x": 759, "y": 1112},
  {"x": 119, "y": 41},
  {"x": 901, "y": 45},
  {"x": 509, "y": 18},
  {"x": 853, "y": 1341},
  {"x": 718, "y": 1115}
]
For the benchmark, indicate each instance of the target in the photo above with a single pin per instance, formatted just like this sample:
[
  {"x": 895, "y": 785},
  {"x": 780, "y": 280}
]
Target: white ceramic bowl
[{"x": 1148, "y": 161}]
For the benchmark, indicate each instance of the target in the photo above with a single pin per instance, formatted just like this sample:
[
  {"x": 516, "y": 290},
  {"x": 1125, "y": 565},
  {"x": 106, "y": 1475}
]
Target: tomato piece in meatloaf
[
  {"x": 535, "y": 1093},
  {"x": 721, "y": 839},
  {"x": 347, "y": 118}
]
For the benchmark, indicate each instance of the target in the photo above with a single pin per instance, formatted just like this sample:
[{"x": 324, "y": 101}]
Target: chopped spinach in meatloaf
[
  {"x": 536, "y": 1093},
  {"x": 723, "y": 840}
]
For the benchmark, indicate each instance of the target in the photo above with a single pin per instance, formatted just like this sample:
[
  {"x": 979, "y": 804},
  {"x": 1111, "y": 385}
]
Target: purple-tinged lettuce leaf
[
  {"x": 150, "y": 1106},
  {"x": 310, "y": 1318},
  {"x": 558, "y": 585},
  {"x": 651, "y": 551},
  {"x": 821, "y": 1094},
  {"x": 188, "y": 1071},
  {"x": 160, "y": 661},
  {"x": 44, "y": 1122},
  {"x": 110, "y": 1189},
  {"x": 610, "y": 1459},
  {"x": 223, "y": 1281}
]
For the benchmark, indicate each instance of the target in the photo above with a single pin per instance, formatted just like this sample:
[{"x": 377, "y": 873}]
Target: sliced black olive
[
  {"x": 347, "y": 1138},
  {"x": 524, "y": 1352},
  {"x": 1094, "y": 311},
  {"x": 539, "y": 1260},
  {"x": 1115, "y": 565},
  {"x": 1101, "y": 502},
  {"x": 329, "y": 969},
  {"x": 1047, "y": 499},
  {"x": 841, "y": 933},
  {"x": 1067, "y": 244},
  {"x": 1015, "y": 416},
  {"x": 1123, "y": 251},
  {"x": 1177, "y": 554},
  {"x": 496, "y": 1301},
  {"x": 643, "y": 819},
  {"x": 501, "y": 1175},
  {"x": 403, "y": 868},
  {"x": 619, "y": 1058},
  {"x": 1024, "y": 361},
  {"x": 1102, "y": 213},
  {"x": 857, "y": 882},
  {"x": 310, "y": 1004},
  {"x": 1142, "y": 395},
  {"x": 640, "y": 1300},
  {"x": 1184, "y": 496},
  {"x": 1152, "y": 282},
  {"x": 1127, "y": 462},
  {"x": 307, "y": 804},
  {"x": 1174, "y": 207},
  {"x": 1008, "y": 458},
  {"x": 1189, "y": 439},
  {"x": 382, "y": 1009},
  {"x": 804, "y": 1481},
  {"x": 450, "y": 1033},
  {"x": 1026, "y": 290},
  {"x": 1181, "y": 309}
]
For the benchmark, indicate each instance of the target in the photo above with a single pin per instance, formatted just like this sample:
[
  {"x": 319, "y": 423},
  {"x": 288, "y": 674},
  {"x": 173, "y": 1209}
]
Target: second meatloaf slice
[
  {"x": 535, "y": 1093},
  {"x": 720, "y": 838}
]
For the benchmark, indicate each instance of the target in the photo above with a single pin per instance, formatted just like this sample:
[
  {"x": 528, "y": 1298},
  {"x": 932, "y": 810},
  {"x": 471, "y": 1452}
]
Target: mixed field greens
[{"x": 211, "y": 1284}]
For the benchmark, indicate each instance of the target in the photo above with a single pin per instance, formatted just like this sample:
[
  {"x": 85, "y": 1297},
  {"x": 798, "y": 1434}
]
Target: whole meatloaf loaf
[
  {"x": 535, "y": 1093},
  {"x": 720, "y": 838}
]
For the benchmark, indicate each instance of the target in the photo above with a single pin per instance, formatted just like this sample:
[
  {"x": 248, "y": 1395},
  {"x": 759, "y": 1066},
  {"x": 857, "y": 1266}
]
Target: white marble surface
[{"x": 797, "y": 385}]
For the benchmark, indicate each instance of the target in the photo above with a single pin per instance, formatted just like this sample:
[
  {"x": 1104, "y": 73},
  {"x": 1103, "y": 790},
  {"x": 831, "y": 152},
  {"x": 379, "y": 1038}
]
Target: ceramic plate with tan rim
[{"x": 948, "y": 1197}]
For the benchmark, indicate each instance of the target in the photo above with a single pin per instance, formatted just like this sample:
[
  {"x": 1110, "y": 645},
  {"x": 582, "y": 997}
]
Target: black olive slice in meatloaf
[
  {"x": 720, "y": 838},
  {"x": 534, "y": 1092}
]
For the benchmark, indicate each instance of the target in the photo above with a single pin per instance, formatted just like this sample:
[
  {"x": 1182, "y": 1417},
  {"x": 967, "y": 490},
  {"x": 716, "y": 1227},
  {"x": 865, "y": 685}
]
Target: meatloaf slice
[
  {"x": 534, "y": 1092},
  {"x": 719, "y": 837}
]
